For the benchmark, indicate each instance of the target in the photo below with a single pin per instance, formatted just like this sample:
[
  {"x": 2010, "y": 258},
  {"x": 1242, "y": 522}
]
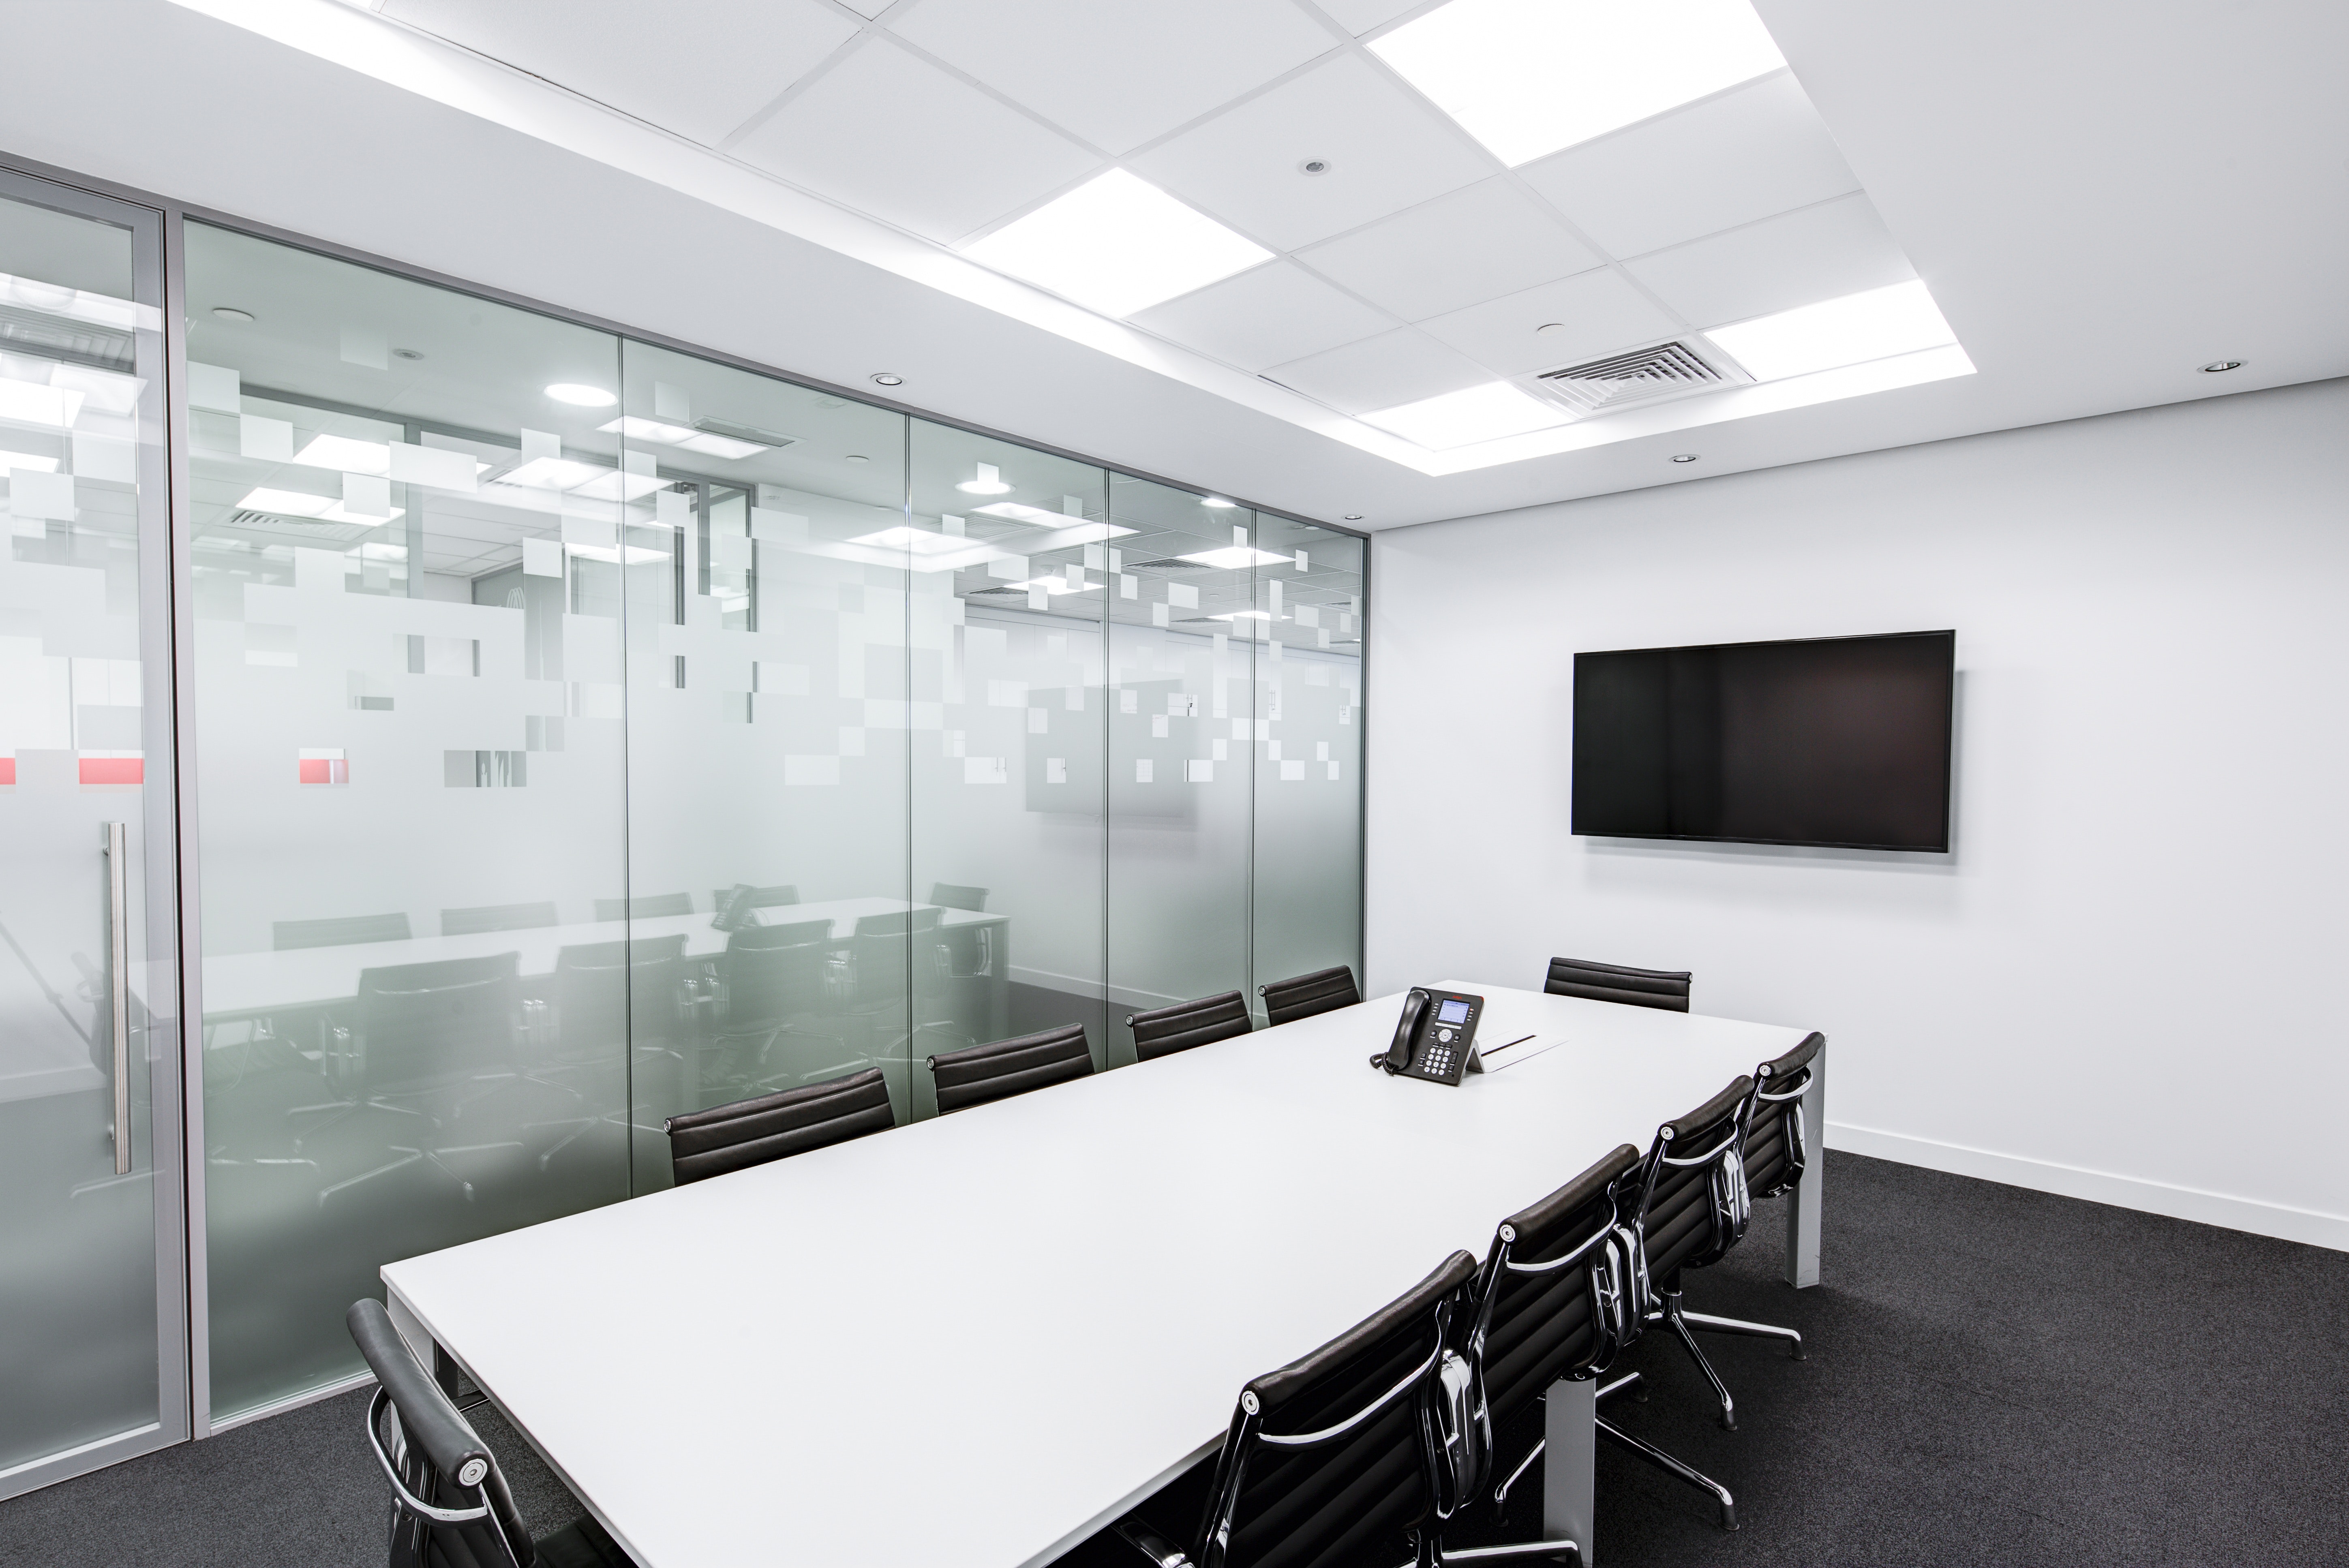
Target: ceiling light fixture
[
  {"x": 915, "y": 540},
  {"x": 1852, "y": 330},
  {"x": 1216, "y": 500},
  {"x": 580, "y": 394},
  {"x": 1235, "y": 557},
  {"x": 351, "y": 457},
  {"x": 1314, "y": 166},
  {"x": 1527, "y": 78},
  {"x": 295, "y": 503},
  {"x": 1070, "y": 530},
  {"x": 1684, "y": 457},
  {"x": 638, "y": 428},
  {"x": 1117, "y": 244},
  {"x": 231, "y": 313},
  {"x": 410, "y": 354},
  {"x": 886, "y": 379},
  {"x": 1473, "y": 414},
  {"x": 988, "y": 480},
  {"x": 1353, "y": 517},
  {"x": 2216, "y": 366},
  {"x": 26, "y": 462}
]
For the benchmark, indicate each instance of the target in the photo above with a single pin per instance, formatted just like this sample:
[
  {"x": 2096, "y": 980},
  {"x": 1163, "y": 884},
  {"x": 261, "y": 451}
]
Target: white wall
[{"x": 2126, "y": 982}]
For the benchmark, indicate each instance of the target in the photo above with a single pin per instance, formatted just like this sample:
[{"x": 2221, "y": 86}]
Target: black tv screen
[{"x": 1839, "y": 741}]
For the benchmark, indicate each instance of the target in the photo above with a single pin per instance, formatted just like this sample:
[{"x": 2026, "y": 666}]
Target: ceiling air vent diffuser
[{"x": 1642, "y": 375}]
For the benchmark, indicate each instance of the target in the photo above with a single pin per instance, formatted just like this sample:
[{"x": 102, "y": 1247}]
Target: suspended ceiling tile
[
  {"x": 698, "y": 70},
  {"x": 1489, "y": 240},
  {"x": 1117, "y": 72},
  {"x": 891, "y": 134},
  {"x": 1267, "y": 316},
  {"x": 1386, "y": 150},
  {"x": 1796, "y": 258},
  {"x": 1360, "y": 16},
  {"x": 1747, "y": 154},
  {"x": 1394, "y": 367},
  {"x": 1589, "y": 315}
]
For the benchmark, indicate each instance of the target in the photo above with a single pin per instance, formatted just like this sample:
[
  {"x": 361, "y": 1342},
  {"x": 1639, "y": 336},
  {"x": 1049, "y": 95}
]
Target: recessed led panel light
[
  {"x": 293, "y": 503},
  {"x": 1058, "y": 585},
  {"x": 1217, "y": 500},
  {"x": 636, "y": 427},
  {"x": 572, "y": 476},
  {"x": 581, "y": 395},
  {"x": 352, "y": 456},
  {"x": 1526, "y": 77},
  {"x": 1233, "y": 557},
  {"x": 26, "y": 462},
  {"x": 917, "y": 540},
  {"x": 986, "y": 480},
  {"x": 32, "y": 403},
  {"x": 1484, "y": 413},
  {"x": 1852, "y": 330},
  {"x": 1118, "y": 244},
  {"x": 1078, "y": 529}
]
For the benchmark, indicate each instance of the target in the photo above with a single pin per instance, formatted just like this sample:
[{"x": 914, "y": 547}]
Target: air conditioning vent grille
[{"x": 1666, "y": 370}]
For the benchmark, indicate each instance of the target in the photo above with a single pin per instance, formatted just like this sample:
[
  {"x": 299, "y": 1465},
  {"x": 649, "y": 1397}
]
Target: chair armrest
[{"x": 1152, "y": 1545}]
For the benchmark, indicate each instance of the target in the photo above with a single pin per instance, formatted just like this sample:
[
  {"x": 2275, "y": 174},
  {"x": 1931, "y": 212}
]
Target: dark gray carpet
[{"x": 1995, "y": 1376}]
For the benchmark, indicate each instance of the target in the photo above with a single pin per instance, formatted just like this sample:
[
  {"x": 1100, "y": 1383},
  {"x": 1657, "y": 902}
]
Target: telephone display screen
[{"x": 1450, "y": 1012}]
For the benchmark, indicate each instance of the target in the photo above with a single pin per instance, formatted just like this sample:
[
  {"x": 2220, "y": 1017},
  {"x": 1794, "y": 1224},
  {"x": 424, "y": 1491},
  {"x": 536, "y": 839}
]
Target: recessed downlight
[
  {"x": 1314, "y": 166},
  {"x": 1551, "y": 326},
  {"x": 229, "y": 313},
  {"x": 1353, "y": 517},
  {"x": 886, "y": 379},
  {"x": 2216, "y": 366},
  {"x": 1216, "y": 500},
  {"x": 409, "y": 353},
  {"x": 1684, "y": 457},
  {"x": 858, "y": 457},
  {"x": 580, "y": 394}
]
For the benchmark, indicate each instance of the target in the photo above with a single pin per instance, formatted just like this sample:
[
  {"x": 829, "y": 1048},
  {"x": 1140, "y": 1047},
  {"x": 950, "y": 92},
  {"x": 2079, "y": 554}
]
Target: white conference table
[
  {"x": 980, "y": 1338},
  {"x": 242, "y": 984}
]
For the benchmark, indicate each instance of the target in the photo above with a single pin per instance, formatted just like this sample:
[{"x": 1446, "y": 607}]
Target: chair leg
[
  {"x": 1626, "y": 1384},
  {"x": 1712, "y": 1324},
  {"x": 1672, "y": 1314},
  {"x": 1673, "y": 1467}
]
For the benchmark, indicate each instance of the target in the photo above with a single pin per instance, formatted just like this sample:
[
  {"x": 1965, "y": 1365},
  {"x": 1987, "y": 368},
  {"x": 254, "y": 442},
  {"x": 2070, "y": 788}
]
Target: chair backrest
[
  {"x": 1665, "y": 988},
  {"x": 880, "y": 949},
  {"x": 954, "y": 895},
  {"x": 1334, "y": 1455},
  {"x": 452, "y": 1015},
  {"x": 343, "y": 931},
  {"x": 1286, "y": 1001},
  {"x": 1693, "y": 1203},
  {"x": 497, "y": 917},
  {"x": 644, "y": 908},
  {"x": 1548, "y": 1302},
  {"x": 705, "y": 1144},
  {"x": 1006, "y": 1067},
  {"x": 896, "y": 924},
  {"x": 1776, "y": 1147},
  {"x": 753, "y": 897},
  {"x": 599, "y": 983},
  {"x": 1163, "y": 1031},
  {"x": 450, "y": 1504},
  {"x": 774, "y": 971}
]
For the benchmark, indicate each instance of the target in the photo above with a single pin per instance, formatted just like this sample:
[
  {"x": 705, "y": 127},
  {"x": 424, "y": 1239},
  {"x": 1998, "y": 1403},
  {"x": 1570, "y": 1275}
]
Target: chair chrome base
[
  {"x": 1653, "y": 1455},
  {"x": 1671, "y": 1314},
  {"x": 1712, "y": 1324}
]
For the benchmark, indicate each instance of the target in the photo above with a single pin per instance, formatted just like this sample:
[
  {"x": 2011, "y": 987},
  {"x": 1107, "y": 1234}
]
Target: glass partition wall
[{"x": 588, "y": 731}]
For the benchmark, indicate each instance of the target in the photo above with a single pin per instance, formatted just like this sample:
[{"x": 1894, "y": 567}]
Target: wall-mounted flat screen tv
[{"x": 1833, "y": 741}]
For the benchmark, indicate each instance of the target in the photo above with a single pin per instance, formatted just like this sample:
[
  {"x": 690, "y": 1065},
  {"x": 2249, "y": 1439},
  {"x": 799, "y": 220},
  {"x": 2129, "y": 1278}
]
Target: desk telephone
[{"x": 1435, "y": 1038}]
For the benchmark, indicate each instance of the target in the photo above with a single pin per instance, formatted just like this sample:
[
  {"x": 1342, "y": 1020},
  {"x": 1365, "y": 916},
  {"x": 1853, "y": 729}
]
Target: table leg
[
  {"x": 1570, "y": 1433},
  {"x": 1802, "y": 1202}
]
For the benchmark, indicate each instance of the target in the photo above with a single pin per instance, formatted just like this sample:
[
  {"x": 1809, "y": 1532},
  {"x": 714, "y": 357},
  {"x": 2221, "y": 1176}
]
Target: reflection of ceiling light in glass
[
  {"x": 1852, "y": 330},
  {"x": 1118, "y": 244},
  {"x": 342, "y": 452},
  {"x": 574, "y": 478},
  {"x": 1078, "y": 530},
  {"x": 293, "y": 503},
  {"x": 620, "y": 555},
  {"x": 692, "y": 440},
  {"x": 1217, "y": 501},
  {"x": 1233, "y": 557},
  {"x": 579, "y": 396},
  {"x": 31, "y": 403},
  {"x": 918, "y": 541},
  {"x": 1057, "y": 586},
  {"x": 1242, "y": 616},
  {"x": 1526, "y": 77},
  {"x": 1483, "y": 413},
  {"x": 989, "y": 482},
  {"x": 28, "y": 461}
]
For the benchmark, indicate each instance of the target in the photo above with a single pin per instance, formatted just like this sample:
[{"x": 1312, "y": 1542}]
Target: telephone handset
[{"x": 1435, "y": 1038}]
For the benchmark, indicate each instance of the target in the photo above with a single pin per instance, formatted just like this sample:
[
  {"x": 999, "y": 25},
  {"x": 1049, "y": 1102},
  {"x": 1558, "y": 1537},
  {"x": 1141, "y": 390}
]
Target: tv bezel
[{"x": 1949, "y": 752}]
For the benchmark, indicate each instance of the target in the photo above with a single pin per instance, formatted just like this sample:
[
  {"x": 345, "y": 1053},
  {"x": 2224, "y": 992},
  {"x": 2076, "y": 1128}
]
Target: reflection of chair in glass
[
  {"x": 497, "y": 917},
  {"x": 607, "y": 995},
  {"x": 884, "y": 951},
  {"x": 1286, "y": 1001},
  {"x": 953, "y": 895},
  {"x": 341, "y": 931},
  {"x": 705, "y": 1144},
  {"x": 1163, "y": 1031},
  {"x": 427, "y": 1042},
  {"x": 771, "y": 981},
  {"x": 761, "y": 897},
  {"x": 644, "y": 908},
  {"x": 1006, "y": 1067}
]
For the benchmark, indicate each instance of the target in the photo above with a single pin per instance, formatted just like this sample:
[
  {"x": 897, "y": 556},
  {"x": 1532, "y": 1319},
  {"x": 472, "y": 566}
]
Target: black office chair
[
  {"x": 974, "y": 1077},
  {"x": 1557, "y": 1298},
  {"x": 427, "y": 1042},
  {"x": 343, "y": 931},
  {"x": 1286, "y": 1001},
  {"x": 1163, "y": 1031},
  {"x": 1692, "y": 1208},
  {"x": 497, "y": 917},
  {"x": 770, "y": 983},
  {"x": 451, "y": 1507},
  {"x": 760, "y": 897},
  {"x": 884, "y": 951},
  {"x": 954, "y": 895},
  {"x": 1665, "y": 988},
  {"x": 610, "y": 998},
  {"x": 1371, "y": 1436},
  {"x": 646, "y": 908},
  {"x": 706, "y": 1143}
]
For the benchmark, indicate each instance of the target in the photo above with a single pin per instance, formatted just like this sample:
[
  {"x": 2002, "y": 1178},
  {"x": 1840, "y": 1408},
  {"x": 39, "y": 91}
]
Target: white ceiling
[{"x": 2092, "y": 216}]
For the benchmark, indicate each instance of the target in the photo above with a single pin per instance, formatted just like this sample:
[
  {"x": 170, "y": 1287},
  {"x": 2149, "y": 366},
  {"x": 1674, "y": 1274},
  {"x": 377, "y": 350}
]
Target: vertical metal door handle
[{"x": 117, "y": 976}]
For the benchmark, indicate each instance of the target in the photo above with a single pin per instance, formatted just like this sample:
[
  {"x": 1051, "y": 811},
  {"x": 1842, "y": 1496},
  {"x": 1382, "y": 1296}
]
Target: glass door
[{"x": 92, "y": 1300}]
